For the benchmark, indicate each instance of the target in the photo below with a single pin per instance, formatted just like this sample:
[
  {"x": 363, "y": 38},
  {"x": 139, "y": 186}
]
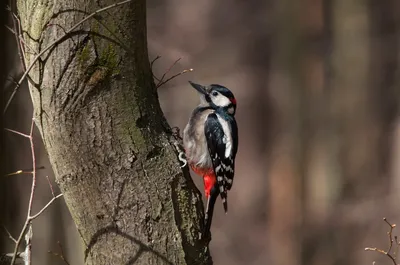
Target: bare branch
[
  {"x": 169, "y": 69},
  {"x": 151, "y": 67},
  {"x": 172, "y": 77},
  {"x": 18, "y": 172},
  {"x": 51, "y": 186},
  {"x": 28, "y": 224},
  {"x": 161, "y": 80},
  {"x": 16, "y": 132},
  {"x": 14, "y": 257},
  {"x": 32, "y": 194},
  {"x": 45, "y": 207},
  {"x": 390, "y": 236},
  {"x": 23, "y": 171},
  {"x": 33, "y": 171},
  {"x": 153, "y": 61},
  {"x": 396, "y": 251},
  {"x": 21, "y": 39},
  {"x": 61, "y": 254},
  {"x": 392, "y": 226},
  {"x": 9, "y": 235}
]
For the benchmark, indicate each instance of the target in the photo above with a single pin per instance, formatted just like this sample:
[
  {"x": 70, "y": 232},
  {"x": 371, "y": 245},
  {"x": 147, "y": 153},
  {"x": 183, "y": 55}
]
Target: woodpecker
[{"x": 210, "y": 140}]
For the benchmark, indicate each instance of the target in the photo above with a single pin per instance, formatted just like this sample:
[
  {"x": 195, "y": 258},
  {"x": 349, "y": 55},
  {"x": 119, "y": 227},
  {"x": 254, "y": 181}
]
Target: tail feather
[
  {"x": 225, "y": 202},
  {"x": 209, "y": 213},
  {"x": 224, "y": 195}
]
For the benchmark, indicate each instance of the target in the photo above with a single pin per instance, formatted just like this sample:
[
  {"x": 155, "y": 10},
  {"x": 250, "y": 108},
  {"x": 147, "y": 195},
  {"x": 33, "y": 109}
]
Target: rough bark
[
  {"x": 3, "y": 72},
  {"x": 110, "y": 147}
]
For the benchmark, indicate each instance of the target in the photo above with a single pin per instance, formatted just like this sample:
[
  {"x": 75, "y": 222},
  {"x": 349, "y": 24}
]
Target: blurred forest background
[{"x": 318, "y": 90}]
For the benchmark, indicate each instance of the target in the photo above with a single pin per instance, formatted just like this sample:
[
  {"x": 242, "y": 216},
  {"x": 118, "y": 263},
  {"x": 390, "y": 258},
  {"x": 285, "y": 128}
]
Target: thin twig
[
  {"x": 151, "y": 67},
  {"x": 21, "y": 39},
  {"x": 27, "y": 225},
  {"x": 19, "y": 241},
  {"x": 28, "y": 235},
  {"x": 32, "y": 194},
  {"x": 45, "y": 207},
  {"x": 62, "y": 28},
  {"x": 33, "y": 168},
  {"x": 21, "y": 51},
  {"x": 172, "y": 77},
  {"x": 13, "y": 80},
  {"x": 23, "y": 171},
  {"x": 390, "y": 236},
  {"x": 62, "y": 256},
  {"x": 169, "y": 69},
  {"x": 21, "y": 47},
  {"x": 17, "y": 32},
  {"x": 55, "y": 42},
  {"x": 51, "y": 186},
  {"x": 18, "y": 172},
  {"x": 161, "y": 80},
  {"x": 9, "y": 235},
  {"x": 16, "y": 132},
  {"x": 153, "y": 61}
]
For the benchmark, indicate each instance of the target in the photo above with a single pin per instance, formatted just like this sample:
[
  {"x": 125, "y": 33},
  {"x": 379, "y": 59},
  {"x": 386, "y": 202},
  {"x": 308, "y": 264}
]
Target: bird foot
[{"x": 177, "y": 141}]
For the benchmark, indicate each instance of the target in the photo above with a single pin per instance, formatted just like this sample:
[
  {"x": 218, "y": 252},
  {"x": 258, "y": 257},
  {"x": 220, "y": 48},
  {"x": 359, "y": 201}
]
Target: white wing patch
[{"x": 227, "y": 140}]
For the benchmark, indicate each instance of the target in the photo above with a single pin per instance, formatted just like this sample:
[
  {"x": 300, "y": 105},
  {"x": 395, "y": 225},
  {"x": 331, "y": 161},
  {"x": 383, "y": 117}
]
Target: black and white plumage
[
  {"x": 222, "y": 140},
  {"x": 211, "y": 142}
]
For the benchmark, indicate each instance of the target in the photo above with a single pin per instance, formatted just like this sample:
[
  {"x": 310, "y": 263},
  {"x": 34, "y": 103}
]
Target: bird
[{"x": 210, "y": 140}]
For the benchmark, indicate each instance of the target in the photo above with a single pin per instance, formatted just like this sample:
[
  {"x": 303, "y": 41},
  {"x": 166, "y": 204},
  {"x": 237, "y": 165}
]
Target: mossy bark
[{"x": 110, "y": 147}]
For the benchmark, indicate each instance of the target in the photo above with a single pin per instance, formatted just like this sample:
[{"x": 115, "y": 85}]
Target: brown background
[{"x": 317, "y": 85}]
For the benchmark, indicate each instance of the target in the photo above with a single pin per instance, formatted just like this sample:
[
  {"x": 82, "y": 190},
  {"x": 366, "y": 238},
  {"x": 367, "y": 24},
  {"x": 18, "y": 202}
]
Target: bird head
[{"x": 216, "y": 96}]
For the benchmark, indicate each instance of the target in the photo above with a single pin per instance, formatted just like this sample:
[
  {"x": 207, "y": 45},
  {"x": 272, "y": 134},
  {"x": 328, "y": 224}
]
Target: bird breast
[{"x": 194, "y": 140}]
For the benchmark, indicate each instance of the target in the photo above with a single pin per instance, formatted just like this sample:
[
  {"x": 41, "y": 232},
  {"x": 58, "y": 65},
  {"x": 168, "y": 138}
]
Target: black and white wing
[
  {"x": 222, "y": 143},
  {"x": 235, "y": 144}
]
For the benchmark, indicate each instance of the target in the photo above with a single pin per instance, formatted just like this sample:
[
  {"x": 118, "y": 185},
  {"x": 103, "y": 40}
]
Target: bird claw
[
  {"x": 182, "y": 158},
  {"x": 176, "y": 132},
  {"x": 177, "y": 143}
]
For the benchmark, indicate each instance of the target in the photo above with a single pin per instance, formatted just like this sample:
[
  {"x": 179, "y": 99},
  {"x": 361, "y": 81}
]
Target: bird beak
[{"x": 200, "y": 88}]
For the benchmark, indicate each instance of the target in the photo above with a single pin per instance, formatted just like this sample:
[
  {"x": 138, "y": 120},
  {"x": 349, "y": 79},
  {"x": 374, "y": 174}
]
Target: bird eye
[{"x": 215, "y": 93}]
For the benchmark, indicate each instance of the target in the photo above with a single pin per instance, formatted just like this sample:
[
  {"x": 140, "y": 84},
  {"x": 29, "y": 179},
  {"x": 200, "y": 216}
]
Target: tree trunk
[
  {"x": 3, "y": 73},
  {"x": 109, "y": 144}
]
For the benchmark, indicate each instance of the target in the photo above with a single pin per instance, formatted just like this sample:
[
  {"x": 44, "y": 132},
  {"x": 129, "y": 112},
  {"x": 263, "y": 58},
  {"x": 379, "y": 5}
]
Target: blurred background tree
[{"x": 318, "y": 93}]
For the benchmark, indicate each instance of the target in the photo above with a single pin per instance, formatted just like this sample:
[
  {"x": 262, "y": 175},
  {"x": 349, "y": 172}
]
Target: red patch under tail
[
  {"x": 208, "y": 178},
  {"x": 209, "y": 182}
]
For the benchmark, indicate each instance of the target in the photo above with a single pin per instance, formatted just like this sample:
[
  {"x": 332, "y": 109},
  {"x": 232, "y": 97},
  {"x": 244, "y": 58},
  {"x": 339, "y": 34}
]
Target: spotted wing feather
[
  {"x": 229, "y": 162},
  {"x": 217, "y": 145}
]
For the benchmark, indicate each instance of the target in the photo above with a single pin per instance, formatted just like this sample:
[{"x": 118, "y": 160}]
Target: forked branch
[
  {"x": 30, "y": 217},
  {"x": 392, "y": 239},
  {"x": 161, "y": 80}
]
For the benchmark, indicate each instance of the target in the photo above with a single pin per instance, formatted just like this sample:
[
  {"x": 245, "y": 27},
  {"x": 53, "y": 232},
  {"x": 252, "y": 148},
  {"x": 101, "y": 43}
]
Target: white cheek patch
[{"x": 221, "y": 100}]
